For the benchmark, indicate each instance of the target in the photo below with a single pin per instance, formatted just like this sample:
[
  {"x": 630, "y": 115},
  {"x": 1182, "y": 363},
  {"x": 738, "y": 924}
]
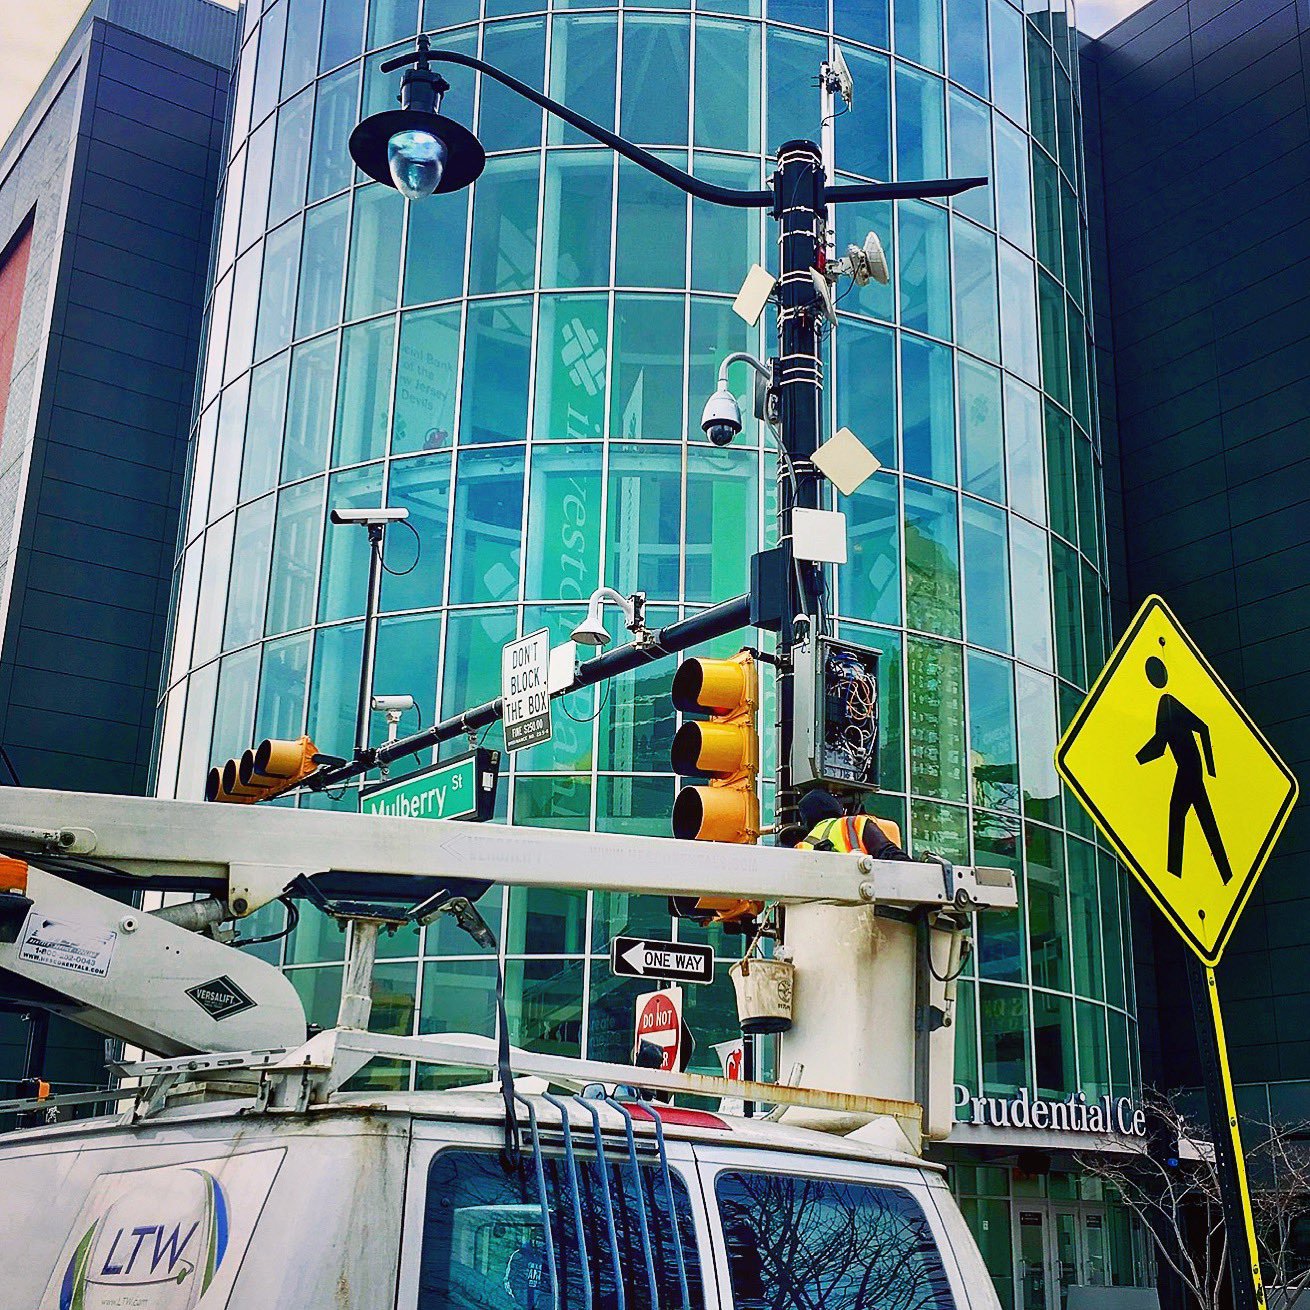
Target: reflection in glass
[
  {"x": 497, "y": 357},
  {"x": 937, "y": 745},
  {"x": 932, "y": 560},
  {"x": 364, "y": 392},
  {"x": 488, "y": 524},
  {"x": 647, "y": 368},
  {"x": 563, "y": 555},
  {"x": 425, "y": 380}
]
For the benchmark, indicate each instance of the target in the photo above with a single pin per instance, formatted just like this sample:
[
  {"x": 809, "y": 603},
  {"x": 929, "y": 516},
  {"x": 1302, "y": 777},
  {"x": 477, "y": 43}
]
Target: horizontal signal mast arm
[{"x": 262, "y": 848}]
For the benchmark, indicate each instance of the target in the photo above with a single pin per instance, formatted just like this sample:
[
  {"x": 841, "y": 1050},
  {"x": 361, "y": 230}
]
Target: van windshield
[
  {"x": 484, "y": 1242},
  {"x": 820, "y": 1244}
]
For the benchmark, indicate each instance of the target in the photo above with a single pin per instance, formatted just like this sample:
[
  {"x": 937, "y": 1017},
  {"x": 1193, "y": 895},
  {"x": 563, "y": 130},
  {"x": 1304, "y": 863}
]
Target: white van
[{"x": 408, "y": 1202}]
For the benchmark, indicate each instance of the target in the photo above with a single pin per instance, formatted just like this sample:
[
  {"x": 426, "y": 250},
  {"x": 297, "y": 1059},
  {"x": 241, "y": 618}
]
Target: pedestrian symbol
[{"x": 1182, "y": 783}]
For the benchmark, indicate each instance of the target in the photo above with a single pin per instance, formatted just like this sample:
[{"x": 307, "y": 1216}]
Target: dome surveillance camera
[{"x": 721, "y": 418}]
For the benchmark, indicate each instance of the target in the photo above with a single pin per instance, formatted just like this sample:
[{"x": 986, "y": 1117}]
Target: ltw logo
[{"x": 165, "y": 1241}]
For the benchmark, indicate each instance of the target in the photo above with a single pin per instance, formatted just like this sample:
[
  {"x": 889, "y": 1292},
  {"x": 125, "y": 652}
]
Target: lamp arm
[
  {"x": 718, "y": 195},
  {"x": 742, "y": 357}
]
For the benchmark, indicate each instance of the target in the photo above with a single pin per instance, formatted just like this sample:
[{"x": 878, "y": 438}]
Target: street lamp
[{"x": 418, "y": 151}]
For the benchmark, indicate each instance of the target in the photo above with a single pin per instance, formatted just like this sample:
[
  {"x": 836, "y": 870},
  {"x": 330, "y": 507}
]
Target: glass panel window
[
  {"x": 864, "y": 132},
  {"x": 652, "y": 229},
  {"x": 497, "y": 357},
  {"x": 986, "y": 576},
  {"x": 296, "y": 537},
  {"x": 1001, "y": 938},
  {"x": 722, "y": 505},
  {"x": 504, "y": 250},
  {"x": 488, "y": 526},
  {"x": 406, "y": 664},
  {"x": 309, "y": 409},
  {"x": 642, "y": 550},
  {"x": 802, "y": 13},
  {"x": 937, "y": 746},
  {"x": 1048, "y": 913},
  {"x": 193, "y": 763},
  {"x": 438, "y": 236},
  {"x": 977, "y": 326},
  {"x": 563, "y": 560},
  {"x": 265, "y": 417},
  {"x": 259, "y": 168},
  {"x": 505, "y": 120},
  {"x": 471, "y": 669},
  {"x": 1053, "y": 1044},
  {"x": 728, "y": 106},
  {"x": 929, "y": 409},
  {"x": 865, "y": 20},
  {"x": 248, "y": 591},
  {"x": 1018, "y": 314},
  {"x": 1032, "y": 594},
  {"x": 1112, "y": 887},
  {"x": 227, "y": 236},
  {"x": 426, "y": 370},
  {"x": 1003, "y": 1026},
  {"x": 227, "y": 448},
  {"x": 375, "y": 233},
  {"x": 716, "y": 228},
  {"x": 866, "y": 388},
  {"x": 920, "y": 123},
  {"x": 654, "y": 94},
  {"x": 571, "y": 368},
  {"x": 245, "y": 306},
  {"x": 918, "y": 35},
  {"x": 322, "y": 266},
  {"x": 1068, "y": 613},
  {"x": 343, "y": 32},
  {"x": 891, "y": 754},
  {"x": 421, "y": 486},
  {"x": 1093, "y": 1053},
  {"x": 364, "y": 392},
  {"x": 277, "y": 289},
  {"x": 925, "y": 284},
  {"x": 793, "y": 61},
  {"x": 932, "y": 560},
  {"x": 334, "y": 687},
  {"x": 300, "y": 61},
  {"x": 1014, "y": 198},
  {"x": 971, "y": 153},
  {"x": 213, "y": 591},
  {"x": 1046, "y": 211},
  {"x": 966, "y": 28},
  {"x": 1009, "y": 89},
  {"x": 578, "y": 222},
  {"x": 648, "y": 368},
  {"x": 1060, "y": 474},
  {"x": 1025, "y": 462},
  {"x": 982, "y": 440},
  {"x": 636, "y": 725},
  {"x": 343, "y": 579},
  {"x": 1041, "y": 784},
  {"x": 335, "y": 116},
  {"x": 799, "y": 1242},
  {"x": 1041, "y": 92},
  {"x": 234, "y": 708},
  {"x": 583, "y": 59},
  {"x": 268, "y": 72},
  {"x": 391, "y": 20},
  {"x": 1085, "y": 917},
  {"x": 993, "y": 747},
  {"x": 869, "y": 583},
  {"x": 291, "y": 157},
  {"x": 283, "y": 677},
  {"x": 1055, "y": 345}
]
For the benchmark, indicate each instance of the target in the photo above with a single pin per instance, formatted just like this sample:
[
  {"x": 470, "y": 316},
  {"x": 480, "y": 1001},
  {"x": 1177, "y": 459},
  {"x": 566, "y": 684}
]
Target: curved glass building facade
[{"x": 522, "y": 367}]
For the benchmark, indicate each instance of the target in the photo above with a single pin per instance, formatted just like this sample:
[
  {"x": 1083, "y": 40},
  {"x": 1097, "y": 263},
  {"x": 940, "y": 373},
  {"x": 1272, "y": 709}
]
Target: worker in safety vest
[{"x": 827, "y": 827}]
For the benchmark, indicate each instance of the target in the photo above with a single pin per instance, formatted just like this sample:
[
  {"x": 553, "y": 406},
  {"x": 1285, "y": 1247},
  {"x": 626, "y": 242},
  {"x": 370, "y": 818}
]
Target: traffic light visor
[
  {"x": 711, "y": 748},
  {"x": 718, "y": 686},
  {"x": 716, "y": 814},
  {"x": 275, "y": 760}
]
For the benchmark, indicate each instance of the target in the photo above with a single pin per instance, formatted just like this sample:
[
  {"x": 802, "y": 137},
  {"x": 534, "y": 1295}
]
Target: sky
[{"x": 32, "y": 31}]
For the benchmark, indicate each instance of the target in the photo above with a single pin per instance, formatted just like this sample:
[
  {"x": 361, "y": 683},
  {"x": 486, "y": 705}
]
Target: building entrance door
[{"x": 1057, "y": 1247}]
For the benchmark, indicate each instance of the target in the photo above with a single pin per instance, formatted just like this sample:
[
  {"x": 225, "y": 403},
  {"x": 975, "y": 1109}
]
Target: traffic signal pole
[{"x": 799, "y": 186}]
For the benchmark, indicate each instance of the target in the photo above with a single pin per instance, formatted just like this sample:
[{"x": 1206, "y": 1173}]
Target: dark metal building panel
[{"x": 1205, "y": 292}]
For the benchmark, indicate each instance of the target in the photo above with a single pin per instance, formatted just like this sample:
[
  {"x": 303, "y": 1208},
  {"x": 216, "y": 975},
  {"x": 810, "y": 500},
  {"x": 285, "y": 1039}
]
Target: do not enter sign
[{"x": 659, "y": 1021}]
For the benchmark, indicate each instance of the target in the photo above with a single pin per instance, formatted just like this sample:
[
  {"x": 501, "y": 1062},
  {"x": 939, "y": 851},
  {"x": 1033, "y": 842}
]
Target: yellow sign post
[{"x": 1192, "y": 798}]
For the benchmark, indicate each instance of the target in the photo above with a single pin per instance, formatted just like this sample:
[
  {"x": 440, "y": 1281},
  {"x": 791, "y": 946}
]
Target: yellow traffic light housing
[
  {"x": 725, "y": 748},
  {"x": 265, "y": 771}
]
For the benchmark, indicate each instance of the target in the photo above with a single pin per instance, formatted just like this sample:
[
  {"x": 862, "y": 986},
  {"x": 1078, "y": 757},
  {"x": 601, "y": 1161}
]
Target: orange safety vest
[{"x": 845, "y": 834}]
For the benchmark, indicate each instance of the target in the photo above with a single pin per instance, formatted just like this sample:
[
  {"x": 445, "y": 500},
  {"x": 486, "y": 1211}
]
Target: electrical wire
[
  {"x": 591, "y": 718},
  {"x": 293, "y": 918},
  {"x": 418, "y": 554}
]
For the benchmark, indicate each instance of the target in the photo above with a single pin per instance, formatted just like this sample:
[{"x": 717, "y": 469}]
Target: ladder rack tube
[
  {"x": 602, "y": 1167},
  {"x": 571, "y": 1164},
  {"x": 651, "y": 1277},
  {"x": 673, "y": 1208},
  {"x": 545, "y": 1200},
  {"x": 718, "y": 620}
]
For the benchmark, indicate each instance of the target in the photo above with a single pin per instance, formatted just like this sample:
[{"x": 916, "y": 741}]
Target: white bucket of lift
[{"x": 764, "y": 993}]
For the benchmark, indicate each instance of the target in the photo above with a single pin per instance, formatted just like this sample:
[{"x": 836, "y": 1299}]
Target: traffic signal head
[
  {"x": 725, "y": 748},
  {"x": 265, "y": 771}
]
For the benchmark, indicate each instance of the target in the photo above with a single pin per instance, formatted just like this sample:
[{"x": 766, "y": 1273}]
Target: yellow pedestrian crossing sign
[{"x": 1181, "y": 782}]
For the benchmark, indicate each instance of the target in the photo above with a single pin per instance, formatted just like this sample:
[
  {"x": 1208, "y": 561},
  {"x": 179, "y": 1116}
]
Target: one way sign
[{"x": 636, "y": 957}]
